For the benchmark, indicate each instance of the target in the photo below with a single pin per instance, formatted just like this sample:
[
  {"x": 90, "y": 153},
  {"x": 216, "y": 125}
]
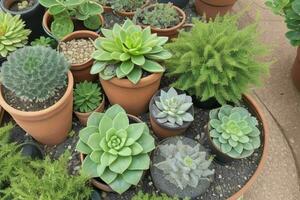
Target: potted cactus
[
  {"x": 115, "y": 147},
  {"x": 127, "y": 60},
  {"x": 171, "y": 112},
  {"x": 127, "y": 8},
  {"x": 37, "y": 91},
  {"x": 87, "y": 99}
]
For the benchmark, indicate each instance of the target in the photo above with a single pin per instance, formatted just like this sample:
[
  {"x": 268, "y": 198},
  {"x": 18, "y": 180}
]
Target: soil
[{"x": 15, "y": 7}]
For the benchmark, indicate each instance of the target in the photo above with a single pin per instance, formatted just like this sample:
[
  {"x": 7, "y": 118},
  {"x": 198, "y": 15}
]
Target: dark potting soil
[{"x": 14, "y": 6}]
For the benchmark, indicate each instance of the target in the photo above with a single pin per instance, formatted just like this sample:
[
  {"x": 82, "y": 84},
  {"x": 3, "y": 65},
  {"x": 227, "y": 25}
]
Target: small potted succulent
[
  {"x": 181, "y": 167},
  {"x": 178, "y": 3},
  {"x": 87, "y": 99},
  {"x": 164, "y": 19},
  {"x": 171, "y": 112},
  {"x": 37, "y": 91},
  {"x": 115, "y": 148},
  {"x": 105, "y": 4},
  {"x": 233, "y": 133},
  {"x": 45, "y": 42},
  {"x": 127, "y": 59},
  {"x": 127, "y": 8},
  {"x": 62, "y": 18},
  {"x": 13, "y": 34}
]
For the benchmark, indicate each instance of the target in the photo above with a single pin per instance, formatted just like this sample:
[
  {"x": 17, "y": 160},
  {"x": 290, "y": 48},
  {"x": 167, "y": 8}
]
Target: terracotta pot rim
[
  {"x": 32, "y": 8},
  {"x": 89, "y": 113},
  {"x": 35, "y": 114},
  {"x": 131, "y": 13},
  {"x": 215, "y": 3}
]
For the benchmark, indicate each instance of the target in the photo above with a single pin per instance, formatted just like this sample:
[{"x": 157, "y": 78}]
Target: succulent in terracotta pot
[{"x": 127, "y": 8}]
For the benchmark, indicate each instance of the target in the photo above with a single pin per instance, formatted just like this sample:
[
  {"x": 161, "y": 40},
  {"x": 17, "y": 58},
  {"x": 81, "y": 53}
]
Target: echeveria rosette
[
  {"x": 234, "y": 131},
  {"x": 129, "y": 50},
  {"x": 116, "y": 151}
]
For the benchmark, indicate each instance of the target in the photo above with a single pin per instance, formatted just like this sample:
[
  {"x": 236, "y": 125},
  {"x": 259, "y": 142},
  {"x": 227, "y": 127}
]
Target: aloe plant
[{"x": 116, "y": 151}]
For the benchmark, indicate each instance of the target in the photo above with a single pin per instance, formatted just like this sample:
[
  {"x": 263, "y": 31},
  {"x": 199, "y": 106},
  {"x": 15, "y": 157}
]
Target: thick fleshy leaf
[
  {"x": 108, "y": 176},
  {"x": 121, "y": 164},
  {"x": 106, "y": 123},
  {"x": 120, "y": 185},
  {"x": 114, "y": 110},
  {"x": 83, "y": 148},
  {"x": 104, "y": 146},
  {"x": 225, "y": 148},
  {"x": 98, "y": 67},
  {"x": 215, "y": 123},
  {"x": 153, "y": 67},
  {"x": 96, "y": 156},
  {"x": 100, "y": 169},
  {"x": 138, "y": 60},
  {"x": 94, "y": 141},
  {"x": 136, "y": 148},
  {"x": 85, "y": 133},
  {"x": 135, "y": 75},
  {"x": 107, "y": 158},
  {"x": 163, "y": 55},
  {"x": 146, "y": 141},
  {"x": 126, "y": 67},
  {"x": 125, "y": 151},
  {"x": 94, "y": 119},
  {"x": 140, "y": 162},
  {"x": 133, "y": 177},
  {"x": 89, "y": 167},
  {"x": 121, "y": 121},
  {"x": 135, "y": 130}
]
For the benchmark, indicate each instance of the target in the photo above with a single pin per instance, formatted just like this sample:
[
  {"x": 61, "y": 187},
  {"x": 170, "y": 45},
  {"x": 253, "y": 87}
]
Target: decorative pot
[
  {"x": 211, "y": 8},
  {"x": 83, "y": 117},
  {"x": 51, "y": 125},
  {"x": 296, "y": 70},
  {"x": 81, "y": 72},
  {"x": 162, "y": 130},
  {"x": 130, "y": 14},
  {"x": 178, "y": 3},
  {"x": 33, "y": 16},
  {"x": 134, "y": 98}
]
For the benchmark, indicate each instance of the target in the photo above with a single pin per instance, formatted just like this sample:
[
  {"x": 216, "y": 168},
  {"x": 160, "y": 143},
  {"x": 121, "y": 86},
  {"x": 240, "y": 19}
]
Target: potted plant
[
  {"x": 13, "y": 34},
  {"x": 212, "y": 8},
  {"x": 116, "y": 147},
  {"x": 44, "y": 41},
  {"x": 170, "y": 113},
  {"x": 78, "y": 48},
  {"x": 87, "y": 99},
  {"x": 30, "y": 11},
  {"x": 178, "y": 3},
  {"x": 106, "y": 5},
  {"x": 181, "y": 167},
  {"x": 164, "y": 19},
  {"x": 126, "y": 58},
  {"x": 37, "y": 91},
  {"x": 127, "y": 8},
  {"x": 62, "y": 18}
]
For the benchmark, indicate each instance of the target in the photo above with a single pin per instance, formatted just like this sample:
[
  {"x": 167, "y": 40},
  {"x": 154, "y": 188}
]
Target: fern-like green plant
[
  {"x": 145, "y": 196},
  {"x": 217, "y": 59}
]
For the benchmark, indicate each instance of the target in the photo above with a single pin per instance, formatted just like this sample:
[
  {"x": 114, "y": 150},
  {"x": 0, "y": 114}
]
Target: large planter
[
  {"x": 51, "y": 125},
  {"x": 134, "y": 98},
  {"x": 211, "y": 8},
  {"x": 296, "y": 70},
  {"x": 81, "y": 72},
  {"x": 33, "y": 16},
  {"x": 130, "y": 14}
]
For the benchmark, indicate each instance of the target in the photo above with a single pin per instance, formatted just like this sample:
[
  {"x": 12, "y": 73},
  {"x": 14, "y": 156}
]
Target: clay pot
[
  {"x": 130, "y": 14},
  {"x": 51, "y": 125},
  {"x": 134, "y": 98},
  {"x": 161, "y": 130},
  {"x": 83, "y": 117},
  {"x": 296, "y": 70},
  {"x": 107, "y": 9},
  {"x": 1, "y": 114},
  {"x": 211, "y": 8},
  {"x": 81, "y": 72}
]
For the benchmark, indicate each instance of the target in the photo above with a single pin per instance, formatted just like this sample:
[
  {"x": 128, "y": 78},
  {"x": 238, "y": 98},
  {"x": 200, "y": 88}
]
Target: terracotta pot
[
  {"x": 1, "y": 114},
  {"x": 83, "y": 117},
  {"x": 131, "y": 13},
  {"x": 47, "y": 20},
  {"x": 81, "y": 72},
  {"x": 50, "y": 126},
  {"x": 134, "y": 98},
  {"x": 172, "y": 31},
  {"x": 296, "y": 70},
  {"x": 211, "y": 8},
  {"x": 107, "y": 9},
  {"x": 161, "y": 130}
]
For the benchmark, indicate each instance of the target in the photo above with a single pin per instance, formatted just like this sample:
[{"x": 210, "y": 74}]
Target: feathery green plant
[
  {"x": 44, "y": 41},
  {"x": 145, "y": 196}
]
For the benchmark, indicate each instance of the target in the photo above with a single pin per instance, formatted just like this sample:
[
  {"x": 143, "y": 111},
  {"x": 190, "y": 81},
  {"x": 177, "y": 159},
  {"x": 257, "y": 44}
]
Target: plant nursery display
[
  {"x": 211, "y": 8},
  {"x": 127, "y": 8}
]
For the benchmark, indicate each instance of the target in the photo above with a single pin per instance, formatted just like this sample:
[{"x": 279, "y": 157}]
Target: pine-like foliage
[{"x": 217, "y": 59}]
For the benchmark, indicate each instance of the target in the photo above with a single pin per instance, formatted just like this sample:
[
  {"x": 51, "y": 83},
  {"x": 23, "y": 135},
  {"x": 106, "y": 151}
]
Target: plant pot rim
[
  {"x": 51, "y": 109},
  {"x": 32, "y": 8},
  {"x": 173, "y": 28},
  {"x": 80, "y": 34},
  {"x": 89, "y": 113},
  {"x": 185, "y": 124},
  {"x": 131, "y": 13},
  {"x": 217, "y": 3}
]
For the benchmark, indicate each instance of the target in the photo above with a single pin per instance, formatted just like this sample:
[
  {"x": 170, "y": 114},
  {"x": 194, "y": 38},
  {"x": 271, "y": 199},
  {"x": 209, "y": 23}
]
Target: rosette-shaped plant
[
  {"x": 234, "y": 131},
  {"x": 129, "y": 50},
  {"x": 126, "y": 5},
  {"x": 13, "y": 34},
  {"x": 172, "y": 108},
  {"x": 116, "y": 151},
  {"x": 35, "y": 73}
]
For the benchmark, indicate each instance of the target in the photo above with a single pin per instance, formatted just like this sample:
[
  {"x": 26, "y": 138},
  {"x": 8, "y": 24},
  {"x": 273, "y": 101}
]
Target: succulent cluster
[
  {"x": 161, "y": 15},
  {"x": 184, "y": 165},
  {"x": 234, "y": 131},
  {"x": 44, "y": 41},
  {"x": 13, "y": 34},
  {"x": 87, "y": 97},
  {"x": 172, "y": 108},
  {"x": 126, "y": 5},
  {"x": 217, "y": 59},
  {"x": 125, "y": 51},
  {"x": 116, "y": 151},
  {"x": 35, "y": 73}
]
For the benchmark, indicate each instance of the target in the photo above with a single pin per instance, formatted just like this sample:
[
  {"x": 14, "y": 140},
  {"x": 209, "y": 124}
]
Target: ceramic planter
[
  {"x": 211, "y": 8},
  {"x": 161, "y": 130},
  {"x": 50, "y": 126},
  {"x": 83, "y": 117},
  {"x": 179, "y": 3},
  {"x": 296, "y": 70},
  {"x": 134, "y": 98},
  {"x": 81, "y": 72},
  {"x": 130, "y": 14}
]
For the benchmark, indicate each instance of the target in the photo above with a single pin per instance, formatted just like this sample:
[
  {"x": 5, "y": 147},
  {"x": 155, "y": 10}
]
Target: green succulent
[
  {"x": 234, "y": 131},
  {"x": 116, "y": 151},
  {"x": 13, "y": 34},
  {"x": 144, "y": 196},
  {"x": 171, "y": 108},
  {"x": 126, "y": 5},
  {"x": 128, "y": 50},
  {"x": 87, "y": 97},
  {"x": 217, "y": 59},
  {"x": 44, "y": 41}
]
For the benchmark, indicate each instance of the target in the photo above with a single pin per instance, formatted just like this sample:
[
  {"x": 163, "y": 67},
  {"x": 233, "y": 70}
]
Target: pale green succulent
[
  {"x": 130, "y": 51},
  {"x": 234, "y": 131},
  {"x": 116, "y": 151},
  {"x": 13, "y": 34},
  {"x": 172, "y": 108},
  {"x": 184, "y": 165}
]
